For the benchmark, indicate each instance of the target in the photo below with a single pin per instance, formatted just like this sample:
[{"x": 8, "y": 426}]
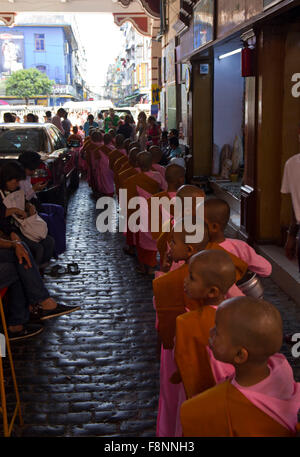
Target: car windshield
[
  {"x": 118, "y": 113},
  {"x": 22, "y": 139}
]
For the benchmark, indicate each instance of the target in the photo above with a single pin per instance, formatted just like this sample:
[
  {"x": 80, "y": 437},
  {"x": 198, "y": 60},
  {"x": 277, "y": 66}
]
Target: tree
[{"x": 28, "y": 83}]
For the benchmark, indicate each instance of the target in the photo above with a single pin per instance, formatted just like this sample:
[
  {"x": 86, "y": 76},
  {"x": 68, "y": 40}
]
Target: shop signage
[
  {"x": 204, "y": 69},
  {"x": 63, "y": 90},
  {"x": 155, "y": 94},
  {"x": 11, "y": 53},
  {"x": 203, "y": 23}
]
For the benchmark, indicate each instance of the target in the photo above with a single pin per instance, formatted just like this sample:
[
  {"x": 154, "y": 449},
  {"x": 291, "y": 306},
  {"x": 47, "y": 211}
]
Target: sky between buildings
[{"x": 99, "y": 35}]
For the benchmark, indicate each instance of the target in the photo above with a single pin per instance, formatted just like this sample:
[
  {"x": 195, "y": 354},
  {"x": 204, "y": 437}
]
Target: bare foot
[{"x": 49, "y": 303}]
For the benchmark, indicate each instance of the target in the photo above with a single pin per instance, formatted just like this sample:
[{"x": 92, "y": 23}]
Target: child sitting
[{"x": 262, "y": 398}]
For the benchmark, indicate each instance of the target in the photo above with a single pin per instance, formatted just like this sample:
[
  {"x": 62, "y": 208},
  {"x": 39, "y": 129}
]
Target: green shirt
[{"x": 114, "y": 122}]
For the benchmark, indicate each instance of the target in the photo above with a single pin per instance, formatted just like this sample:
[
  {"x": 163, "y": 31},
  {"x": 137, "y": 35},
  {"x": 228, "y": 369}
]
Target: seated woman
[
  {"x": 19, "y": 273},
  {"x": 53, "y": 215},
  {"x": 10, "y": 175}
]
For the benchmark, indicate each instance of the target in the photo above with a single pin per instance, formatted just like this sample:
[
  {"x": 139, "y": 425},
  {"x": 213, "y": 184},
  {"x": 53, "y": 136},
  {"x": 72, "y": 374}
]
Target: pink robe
[
  {"x": 278, "y": 395},
  {"x": 171, "y": 396},
  {"x": 160, "y": 169},
  {"x": 94, "y": 170},
  {"x": 221, "y": 371},
  {"x": 256, "y": 263},
  {"x": 158, "y": 178},
  {"x": 106, "y": 175}
]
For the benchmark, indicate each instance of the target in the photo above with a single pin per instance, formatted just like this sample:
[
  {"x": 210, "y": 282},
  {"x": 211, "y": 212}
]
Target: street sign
[{"x": 155, "y": 94}]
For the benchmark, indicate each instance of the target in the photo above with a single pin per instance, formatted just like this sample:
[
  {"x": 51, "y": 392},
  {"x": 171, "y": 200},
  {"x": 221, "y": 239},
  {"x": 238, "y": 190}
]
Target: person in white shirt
[
  {"x": 291, "y": 185},
  {"x": 56, "y": 120}
]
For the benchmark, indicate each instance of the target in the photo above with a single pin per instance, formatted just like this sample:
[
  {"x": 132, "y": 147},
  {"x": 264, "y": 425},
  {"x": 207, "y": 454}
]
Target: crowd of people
[{"x": 221, "y": 370}]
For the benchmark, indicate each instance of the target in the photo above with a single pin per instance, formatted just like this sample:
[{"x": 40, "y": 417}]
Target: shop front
[{"x": 242, "y": 109}]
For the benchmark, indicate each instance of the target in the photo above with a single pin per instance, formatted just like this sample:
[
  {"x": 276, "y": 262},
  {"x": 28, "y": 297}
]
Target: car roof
[{"x": 11, "y": 125}]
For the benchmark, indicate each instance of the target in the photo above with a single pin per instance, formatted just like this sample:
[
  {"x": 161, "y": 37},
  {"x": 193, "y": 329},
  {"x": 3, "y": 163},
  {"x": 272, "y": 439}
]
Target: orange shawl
[
  {"x": 143, "y": 181},
  {"x": 125, "y": 175},
  {"x": 106, "y": 150},
  {"x": 114, "y": 156},
  {"x": 192, "y": 360},
  {"x": 223, "y": 411},
  {"x": 156, "y": 235},
  {"x": 119, "y": 164}
]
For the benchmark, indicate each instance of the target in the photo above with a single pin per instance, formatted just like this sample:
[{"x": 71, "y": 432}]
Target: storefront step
[{"x": 285, "y": 272}]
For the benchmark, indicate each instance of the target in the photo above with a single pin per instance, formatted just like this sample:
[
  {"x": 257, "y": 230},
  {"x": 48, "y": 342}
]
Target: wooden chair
[{"x": 7, "y": 426}]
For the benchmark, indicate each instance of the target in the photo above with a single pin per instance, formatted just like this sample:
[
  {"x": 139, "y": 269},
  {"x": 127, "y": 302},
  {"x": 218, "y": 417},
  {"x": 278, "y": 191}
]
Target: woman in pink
[{"x": 153, "y": 131}]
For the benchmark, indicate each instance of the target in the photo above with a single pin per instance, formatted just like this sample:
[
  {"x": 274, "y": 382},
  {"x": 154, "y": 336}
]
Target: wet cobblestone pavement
[{"x": 96, "y": 372}]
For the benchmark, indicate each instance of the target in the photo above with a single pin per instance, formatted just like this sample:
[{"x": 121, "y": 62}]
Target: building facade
[
  {"x": 129, "y": 80},
  {"x": 51, "y": 48}
]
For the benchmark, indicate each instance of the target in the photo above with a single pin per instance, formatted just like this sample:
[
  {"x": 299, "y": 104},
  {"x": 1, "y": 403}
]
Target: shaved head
[
  {"x": 144, "y": 160},
  {"x": 192, "y": 194},
  {"x": 107, "y": 138},
  {"x": 132, "y": 156},
  {"x": 126, "y": 143},
  {"x": 255, "y": 325},
  {"x": 181, "y": 234},
  {"x": 190, "y": 191},
  {"x": 156, "y": 153},
  {"x": 216, "y": 269},
  {"x": 133, "y": 144},
  {"x": 96, "y": 136},
  {"x": 119, "y": 140},
  {"x": 174, "y": 173},
  {"x": 217, "y": 211}
]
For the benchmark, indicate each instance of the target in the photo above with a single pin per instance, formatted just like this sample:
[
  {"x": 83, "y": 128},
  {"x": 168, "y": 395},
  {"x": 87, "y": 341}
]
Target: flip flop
[
  {"x": 73, "y": 269},
  {"x": 57, "y": 271}
]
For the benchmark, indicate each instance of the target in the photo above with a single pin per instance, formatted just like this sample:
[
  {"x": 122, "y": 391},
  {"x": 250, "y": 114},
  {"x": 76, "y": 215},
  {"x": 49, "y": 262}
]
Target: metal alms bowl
[{"x": 251, "y": 285}]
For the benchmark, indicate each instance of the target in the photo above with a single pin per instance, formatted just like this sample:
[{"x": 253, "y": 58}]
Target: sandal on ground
[
  {"x": 28, "y": 331},
  {"x": 60, "y": 310},
  {"x": 57, "y": 271},
  {"x": 73, "y": 269}
]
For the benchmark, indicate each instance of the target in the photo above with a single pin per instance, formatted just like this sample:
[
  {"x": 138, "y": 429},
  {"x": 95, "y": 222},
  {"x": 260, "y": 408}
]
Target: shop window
[{"x": 39, "y": 39}]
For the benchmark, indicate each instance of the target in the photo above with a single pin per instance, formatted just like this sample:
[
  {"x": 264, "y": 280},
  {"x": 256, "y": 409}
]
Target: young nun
[
  {"x": 217, "y": 215},
  {"x": 261, "y": 399},
  {"x": 157, "y": 154}
]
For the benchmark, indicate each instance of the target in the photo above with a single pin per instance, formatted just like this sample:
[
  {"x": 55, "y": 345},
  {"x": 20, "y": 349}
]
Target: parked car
[
  {"x": 58, "y": 167},
  {"x": 118, "y": 111}
]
